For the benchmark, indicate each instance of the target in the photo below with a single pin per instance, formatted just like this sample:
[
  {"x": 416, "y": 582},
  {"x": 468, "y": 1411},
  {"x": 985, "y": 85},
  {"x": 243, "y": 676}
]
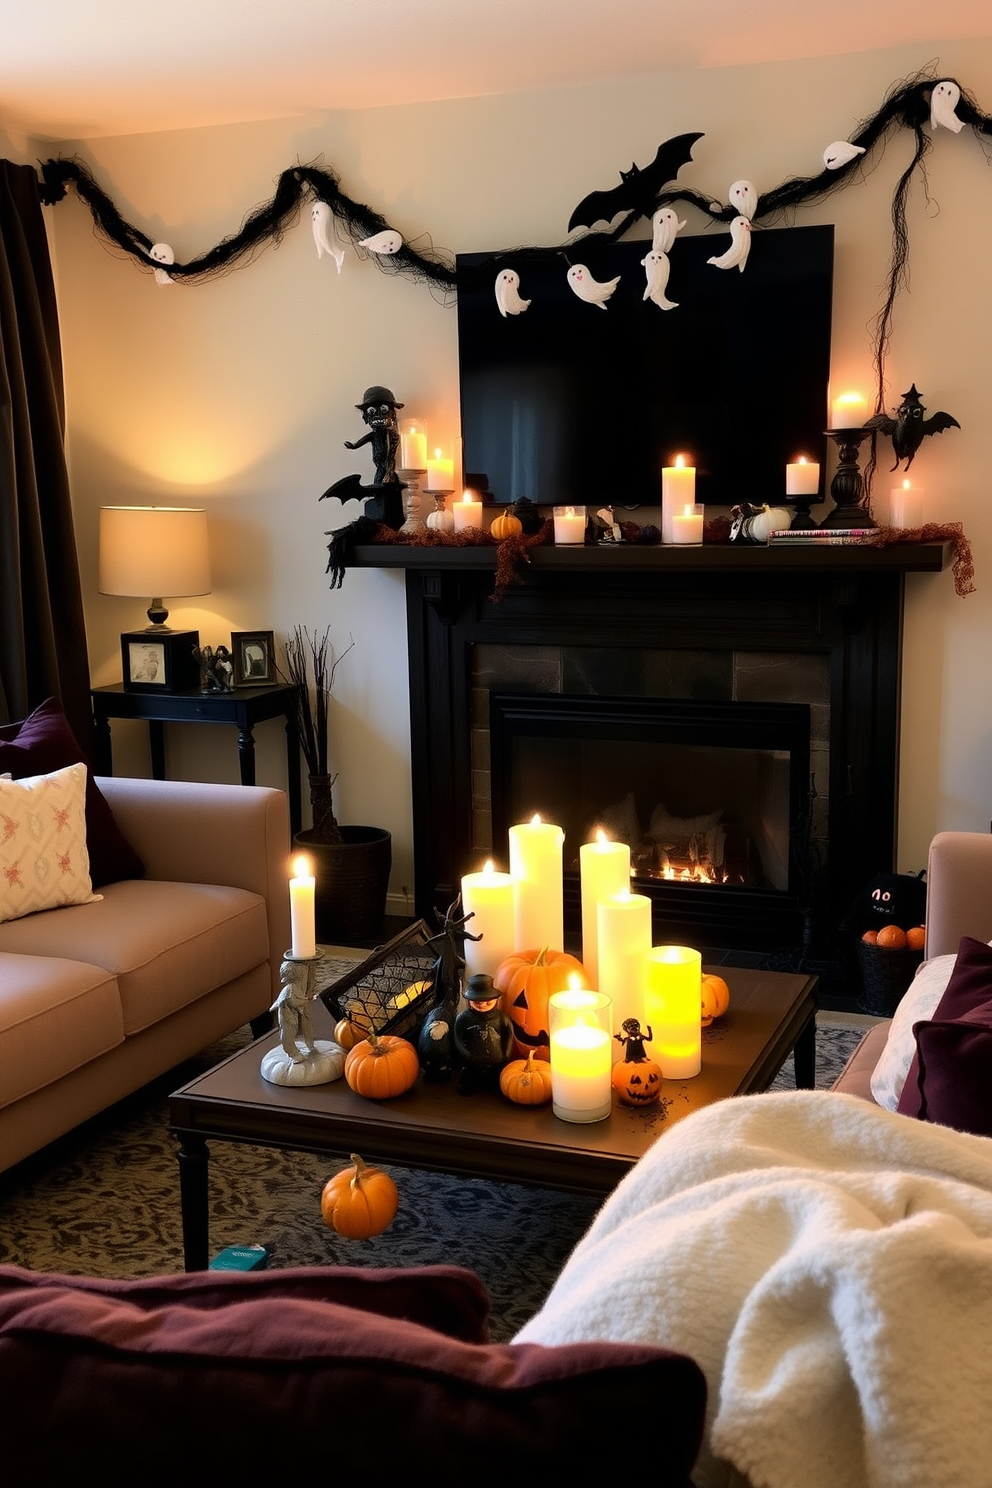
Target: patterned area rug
[{"x": 104, "y": 1201}]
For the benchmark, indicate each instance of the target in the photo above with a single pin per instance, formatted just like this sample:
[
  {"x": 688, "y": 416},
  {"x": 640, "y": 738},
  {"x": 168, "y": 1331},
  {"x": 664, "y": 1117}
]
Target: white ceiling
[{"x": 82, "y": 68}]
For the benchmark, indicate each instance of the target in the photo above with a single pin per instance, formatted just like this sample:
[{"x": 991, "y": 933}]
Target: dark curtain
[{"x": 42, "y": 638}]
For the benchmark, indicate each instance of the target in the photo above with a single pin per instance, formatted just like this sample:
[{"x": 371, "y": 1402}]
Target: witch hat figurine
[{"x": 909, "y": 428}]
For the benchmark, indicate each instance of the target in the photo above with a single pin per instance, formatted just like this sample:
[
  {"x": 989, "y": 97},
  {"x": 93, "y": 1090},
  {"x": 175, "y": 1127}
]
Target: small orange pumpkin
[
  {"x": 360, "y": 1201},
  {"x": 506, "y": 525},
  {"x": 526, "y": 1082},
  {"x": 715, "y": 998},
  {"x": 381, "y": 1066},
  {"x": 346, "y": 1034},
  {"x": 637, "y": 1082},
  {"x": 525, "y": 981}
]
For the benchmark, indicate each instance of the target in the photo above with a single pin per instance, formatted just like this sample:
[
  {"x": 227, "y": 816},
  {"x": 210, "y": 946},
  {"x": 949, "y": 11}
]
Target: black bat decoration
[
  {"x": 639, "y": 189},
  {"x": 909, "y": 428}
]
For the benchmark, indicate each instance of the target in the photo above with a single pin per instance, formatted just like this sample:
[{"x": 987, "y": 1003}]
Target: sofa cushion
[
  {"x": 43, "y": 859},
  {"x": 955, "y": 1072},
  {"x": 43, "y": 742},
  {"x": 263, "y": 1379},
  {"x": 968, "y": 988},
  {"x": 166, "y": 943},
  {"x": 55, "y": 1016},
  {"x": 919, "y": 1001}
]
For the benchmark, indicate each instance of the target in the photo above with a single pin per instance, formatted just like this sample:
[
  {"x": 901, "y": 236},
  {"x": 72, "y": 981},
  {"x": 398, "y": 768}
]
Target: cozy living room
[{"x": 550, "y": 446}]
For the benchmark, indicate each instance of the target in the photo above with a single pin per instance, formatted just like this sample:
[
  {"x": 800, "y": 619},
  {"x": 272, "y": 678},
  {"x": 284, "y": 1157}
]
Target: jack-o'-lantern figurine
[
  {"x": 526, "y": 980},
  {"x": 636, "y": 1079}
]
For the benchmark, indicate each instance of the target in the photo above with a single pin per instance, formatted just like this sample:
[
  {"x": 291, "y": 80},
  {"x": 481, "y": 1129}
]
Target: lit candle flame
[
  {"x": 535, "y": 820},
  {"x": 302, "y": 867}
]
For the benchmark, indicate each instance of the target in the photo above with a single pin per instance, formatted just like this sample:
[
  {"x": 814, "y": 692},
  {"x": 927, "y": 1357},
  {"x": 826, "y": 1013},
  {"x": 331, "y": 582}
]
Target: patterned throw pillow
[{"x": 44, "y": 863}]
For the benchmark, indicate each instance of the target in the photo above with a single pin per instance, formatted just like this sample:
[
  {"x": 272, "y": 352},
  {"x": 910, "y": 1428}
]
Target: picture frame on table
[
  {"x": 153, "y": 661},
  {"x": 254, "y": 655}
]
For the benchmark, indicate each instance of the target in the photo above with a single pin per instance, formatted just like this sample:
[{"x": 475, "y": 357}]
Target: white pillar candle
[
  {"x": 570, "y": 524},
  {"x": 624, "y": 941},
  {"x": 413, "y": 444},
  {"x": 302, "y": 889},
  {"x": 604, "y": 870},
  {"x": 488, "y": 898},
  {"x": 440, "y": 471},
  {"x": 467, "y": 512},
  {"x": 673, "y": 998},
  {"x": 538, "y": 886},
  {"x": 687, "y": 526},
  {"x": 906, "y": 509},
  {"x": 581, "y": 1056},
  {"x": 802, "y": 477},
  {"x": 849, "y": 411},
  {"x": 678, "y": 490}
]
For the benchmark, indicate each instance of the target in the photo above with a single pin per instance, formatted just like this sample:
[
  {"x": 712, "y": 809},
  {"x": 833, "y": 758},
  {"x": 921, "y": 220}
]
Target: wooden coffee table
[{"x": 772, "y": 1014}]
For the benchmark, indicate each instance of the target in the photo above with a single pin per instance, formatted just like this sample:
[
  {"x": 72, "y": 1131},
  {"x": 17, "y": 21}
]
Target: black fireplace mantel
[{"x": 844, "y": 603}]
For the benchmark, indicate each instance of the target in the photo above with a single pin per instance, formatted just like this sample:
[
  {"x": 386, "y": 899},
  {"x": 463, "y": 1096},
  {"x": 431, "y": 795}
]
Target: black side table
[{"x": 244, "y": 707}]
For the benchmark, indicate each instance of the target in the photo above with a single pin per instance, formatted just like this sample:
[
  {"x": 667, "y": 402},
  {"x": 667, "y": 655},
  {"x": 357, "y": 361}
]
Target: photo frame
[
  {"x": 160, "y": 661},
  {"x": 254, "y": 656}
]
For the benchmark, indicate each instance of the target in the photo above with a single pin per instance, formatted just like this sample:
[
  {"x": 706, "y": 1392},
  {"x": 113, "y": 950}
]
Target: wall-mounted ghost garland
[{"x": 651, "y": 191}]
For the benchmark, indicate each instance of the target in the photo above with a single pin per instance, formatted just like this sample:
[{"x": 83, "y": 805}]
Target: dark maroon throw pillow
[
  {"x": 937, "y": 1088},
  {"x": 44, "y": 742}
]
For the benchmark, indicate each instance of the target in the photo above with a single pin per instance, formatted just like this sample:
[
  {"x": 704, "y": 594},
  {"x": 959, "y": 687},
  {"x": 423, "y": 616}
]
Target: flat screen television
[{"x": 568, "y": 403}]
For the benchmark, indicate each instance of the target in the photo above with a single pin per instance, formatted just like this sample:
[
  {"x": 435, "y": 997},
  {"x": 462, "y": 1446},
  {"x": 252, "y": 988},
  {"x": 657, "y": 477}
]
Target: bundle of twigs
[{"x": 311, "y": 670}]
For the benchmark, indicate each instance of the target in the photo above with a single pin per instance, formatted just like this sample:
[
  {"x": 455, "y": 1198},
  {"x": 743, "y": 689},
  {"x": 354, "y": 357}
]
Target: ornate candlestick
[
  {"x": 847, "y": 488},
  {"x": 299, "y": 1058},
  {"x": 414, "y": 500}
]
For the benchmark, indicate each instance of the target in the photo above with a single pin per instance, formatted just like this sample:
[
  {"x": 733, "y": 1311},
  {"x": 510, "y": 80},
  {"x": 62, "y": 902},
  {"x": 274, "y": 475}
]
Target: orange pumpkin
[
  {"x": 381, "y": 1066},
  {"x": 506, "y": 525},
  {"x": 346, "y": 1034},
  {"x": 637, "y": 1082},
  {"x": 525, "y": 981},
  {"x": 359, "y": 1201},
  {"x": 526, "y": 1082},
  {"x": 715, "y": 998}
]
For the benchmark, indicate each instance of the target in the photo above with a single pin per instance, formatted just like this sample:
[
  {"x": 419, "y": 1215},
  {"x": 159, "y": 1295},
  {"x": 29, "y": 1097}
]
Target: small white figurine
[
  {"x": 743, "y": 196},
  {"x": 389, "y": 241},
  {"x": 589, "y": 289},
  {"x": 324, "y": 235},
  {"x": 943, "y": 101},
  {"x": 839, "y": 153},
  {"x": 740, "y": 244},
  {"x": 299, "y": 1058},
  {"x": 657, "y": 269},
  {"x": 508, "y": 296},
  {"x": 664, "y": 225},
  {"x": 161, "y": 253}
]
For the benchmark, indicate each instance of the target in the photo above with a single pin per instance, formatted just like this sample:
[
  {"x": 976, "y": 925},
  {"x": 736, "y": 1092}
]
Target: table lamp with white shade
[{"x": 151, "y": 552}]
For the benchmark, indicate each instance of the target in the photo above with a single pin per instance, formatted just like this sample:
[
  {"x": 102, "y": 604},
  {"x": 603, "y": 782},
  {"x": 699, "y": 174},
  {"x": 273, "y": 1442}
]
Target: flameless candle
[
  {"x": 581, "y": 1054},
  {"x": 687, "y": 526},
  {"x": 302, "y": 889},
  {"x": 678, "y": 490},
  {"x": 673, "y": 997},
  {"x": 849, "y": 411},
  {"x": 604, "y": 869},
  {"x": 906, "y": 505},
  {"x": 624, "y": 941},
  {"x": 440, "y": 472},
  {"x": 467, "y": 512},
  {"x": 413, "y": 444},
  {"x": 570, "y": 524},
  {"x": 538, "y": 886},
  {"x": 488, "y": 898},
  {"x": 802, "y": 477}
]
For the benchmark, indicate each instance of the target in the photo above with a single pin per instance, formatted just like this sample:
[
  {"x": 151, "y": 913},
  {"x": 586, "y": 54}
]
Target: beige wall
[{"x": 239, "y": 394}]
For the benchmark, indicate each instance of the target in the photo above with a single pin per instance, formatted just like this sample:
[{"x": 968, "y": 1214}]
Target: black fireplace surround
[{"x": 817, "y": 630}]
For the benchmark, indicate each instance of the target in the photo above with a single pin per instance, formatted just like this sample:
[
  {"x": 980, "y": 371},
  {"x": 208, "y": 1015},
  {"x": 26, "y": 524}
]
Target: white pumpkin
[
  {"x": 441, "y": 520},
  {"x": 769, "y": 519}
]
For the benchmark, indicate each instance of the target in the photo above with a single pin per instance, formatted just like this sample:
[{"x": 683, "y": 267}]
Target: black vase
[{"x": 352, "y": 877}]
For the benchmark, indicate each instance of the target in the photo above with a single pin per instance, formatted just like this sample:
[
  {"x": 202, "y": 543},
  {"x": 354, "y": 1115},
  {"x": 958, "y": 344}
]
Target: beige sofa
[{"x": 97, "y": 999}]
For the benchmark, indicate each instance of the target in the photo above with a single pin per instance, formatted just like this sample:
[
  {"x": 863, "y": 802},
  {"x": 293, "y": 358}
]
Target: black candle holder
[
  {"x": 847, "y": 488},
  {"x": 802, "y": 521}
]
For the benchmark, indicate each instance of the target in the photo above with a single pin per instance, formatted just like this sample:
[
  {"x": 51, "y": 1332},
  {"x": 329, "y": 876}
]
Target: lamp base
[{"x": 160, "y": 660}]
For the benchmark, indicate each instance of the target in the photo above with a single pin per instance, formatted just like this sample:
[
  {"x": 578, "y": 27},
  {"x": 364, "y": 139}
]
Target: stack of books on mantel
[{"x": 820, "y": 535}]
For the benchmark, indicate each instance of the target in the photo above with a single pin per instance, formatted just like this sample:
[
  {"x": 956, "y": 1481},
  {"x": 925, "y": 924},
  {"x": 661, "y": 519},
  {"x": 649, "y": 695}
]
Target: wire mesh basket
[
  {"x": 886, "y": 973},
  {"x": 392, "y": 990}
]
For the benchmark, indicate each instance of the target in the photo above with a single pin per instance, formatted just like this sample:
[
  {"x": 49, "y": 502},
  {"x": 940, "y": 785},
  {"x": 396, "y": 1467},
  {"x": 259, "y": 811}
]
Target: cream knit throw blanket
[{"x": 829, "y": 1266}]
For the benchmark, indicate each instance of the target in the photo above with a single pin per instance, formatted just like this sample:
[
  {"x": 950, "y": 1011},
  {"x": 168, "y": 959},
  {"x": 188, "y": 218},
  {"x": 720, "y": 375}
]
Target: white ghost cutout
[
  {"x": 161, "y": 253},
  {"x": 740, "y": 245},
  {"x": 744, "y": 197},
  {"x": 593, "y": 291},
  {"x": 657, "y": 269},
  {"x": 664, "y": 225},
  {"x": 324, "y": 235},
  {"x": 388, "y": 241},
  {"x": 508, "y": 296},
  {"x": 839, "y": 153},
  {"x": 943, "y": 101}
]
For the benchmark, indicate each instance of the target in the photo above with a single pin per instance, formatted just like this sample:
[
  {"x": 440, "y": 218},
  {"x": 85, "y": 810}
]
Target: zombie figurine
[
  {"x": 378, "y": 409},
  {"x": 633, "y": 1040}
]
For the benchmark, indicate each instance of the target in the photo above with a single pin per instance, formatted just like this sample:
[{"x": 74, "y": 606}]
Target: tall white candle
[
  {"x": 624, "y": 941},
  {"x": 802, "y": 477},
  {"x": 538, "y": 887},
  {"x": 581, "y": 1057},
  {"x": 467, "y": 512},
  {"x": 678, "y": 490},
  {"x": 849, "y": 411},
  {"x": 906, "y": 508},
  {"x": 488, "y": 898},
  {"x": 413, "y": 444},
  {"x": 440, "y": 471},
  {"x": 302, "y": 890},
  {"x": 604, "y": 870},
  {"x": 673, "y": 998}
]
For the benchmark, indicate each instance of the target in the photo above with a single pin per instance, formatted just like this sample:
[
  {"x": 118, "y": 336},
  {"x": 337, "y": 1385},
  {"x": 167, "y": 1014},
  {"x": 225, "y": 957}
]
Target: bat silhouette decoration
[
  {"x": 639, "y": 190},
  {"x": 909, "y": 428}
]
